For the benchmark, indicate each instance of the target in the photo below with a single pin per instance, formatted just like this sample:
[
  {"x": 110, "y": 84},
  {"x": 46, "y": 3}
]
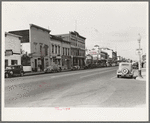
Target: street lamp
[{"x": 139, "y": 52}]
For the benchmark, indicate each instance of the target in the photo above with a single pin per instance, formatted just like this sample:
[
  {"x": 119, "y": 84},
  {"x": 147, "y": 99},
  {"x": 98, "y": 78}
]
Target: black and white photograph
[{"x": 75, "y": 61}]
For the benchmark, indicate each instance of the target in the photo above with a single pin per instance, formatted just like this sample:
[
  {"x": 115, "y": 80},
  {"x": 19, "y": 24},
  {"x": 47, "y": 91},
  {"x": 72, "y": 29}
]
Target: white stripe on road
[
  {"x": 113, "y": 77},
  {"x": 97, "y": 73}
]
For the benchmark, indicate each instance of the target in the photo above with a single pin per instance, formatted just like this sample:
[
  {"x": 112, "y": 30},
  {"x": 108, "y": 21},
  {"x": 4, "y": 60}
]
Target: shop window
[
  {"x": 25, "y": 60},
  {"x": 66, "y": 51},
  {"x": 13, "y": 62}
]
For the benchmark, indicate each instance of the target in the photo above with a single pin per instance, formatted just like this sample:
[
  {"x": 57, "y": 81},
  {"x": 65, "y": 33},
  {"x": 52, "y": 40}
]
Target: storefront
[
  {"x": 57, "y": 60},
  {"x": 66, "y": 62},
  {"x": 79, "y": 60}
]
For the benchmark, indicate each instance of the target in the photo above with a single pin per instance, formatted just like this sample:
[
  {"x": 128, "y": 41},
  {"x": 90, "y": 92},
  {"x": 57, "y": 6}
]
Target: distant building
[
  {"x": 114, "y": 55},
  {"x": 98, "y": 54},
  {"x": 109, "y": 52},
  {"x": 12, "y": 49},
  {"x": 119, "y": 58}
]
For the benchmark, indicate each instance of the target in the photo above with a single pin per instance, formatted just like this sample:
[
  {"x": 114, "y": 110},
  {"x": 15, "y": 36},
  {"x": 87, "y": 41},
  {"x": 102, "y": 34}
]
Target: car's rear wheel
[
  {"x": 6, "y": 75},
  {"x": 21, "y": 74},
  {"x": 125, "y": 71},
  {"x": 118, "y": 76}
]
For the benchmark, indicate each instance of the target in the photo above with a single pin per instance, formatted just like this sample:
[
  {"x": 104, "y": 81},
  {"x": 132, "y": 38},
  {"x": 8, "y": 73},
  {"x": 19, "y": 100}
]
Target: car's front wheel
[
  {"x": 6, "y": 75},
  {"x": 21, "y": 74}
]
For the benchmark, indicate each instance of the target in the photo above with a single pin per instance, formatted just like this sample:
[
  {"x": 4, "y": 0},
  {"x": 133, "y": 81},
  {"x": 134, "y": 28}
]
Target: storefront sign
[{"x": 8, "y": 52}]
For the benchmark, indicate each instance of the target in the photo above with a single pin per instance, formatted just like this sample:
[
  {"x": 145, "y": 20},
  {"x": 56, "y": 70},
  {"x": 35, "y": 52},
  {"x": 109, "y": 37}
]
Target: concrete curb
[
  {"x": 143, "y": 75},
  {"x": 38, "y": 73}
]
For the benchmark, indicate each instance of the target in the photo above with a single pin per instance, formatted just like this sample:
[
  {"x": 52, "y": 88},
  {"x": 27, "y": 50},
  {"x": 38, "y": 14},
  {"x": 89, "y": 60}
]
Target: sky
[{"x": 115, "y": 25}]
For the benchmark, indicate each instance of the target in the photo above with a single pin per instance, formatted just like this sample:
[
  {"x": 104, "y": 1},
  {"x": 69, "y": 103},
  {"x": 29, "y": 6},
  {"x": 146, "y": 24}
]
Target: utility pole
[{"x": 139, "y": 53}]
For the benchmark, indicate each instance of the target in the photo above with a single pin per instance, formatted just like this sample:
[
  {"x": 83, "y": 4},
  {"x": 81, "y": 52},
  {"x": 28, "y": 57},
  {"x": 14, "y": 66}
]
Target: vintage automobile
[
  {"x": 125, "y": 70},
  {"x": 75, "y": 67},
  {"x": 52, "y": 68},
  {"x": 14, "y": 70}
]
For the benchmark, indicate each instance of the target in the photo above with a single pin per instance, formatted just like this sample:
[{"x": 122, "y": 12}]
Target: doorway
[
  {"x": 35, "y": 60},
  {"x": 42, "y": 64}
]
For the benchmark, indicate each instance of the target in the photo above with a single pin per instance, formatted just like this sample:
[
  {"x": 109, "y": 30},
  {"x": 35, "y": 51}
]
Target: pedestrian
[{"x": 142, "y": 64}]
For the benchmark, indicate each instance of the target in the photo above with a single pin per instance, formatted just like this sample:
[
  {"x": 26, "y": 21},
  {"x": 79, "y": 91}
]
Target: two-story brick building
[
  {"x": 60, "y": 52},
  {"x": 77, "y": 47}
]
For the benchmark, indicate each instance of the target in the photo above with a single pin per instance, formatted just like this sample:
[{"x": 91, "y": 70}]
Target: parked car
[
  {"x": 52, "y": 68},
  {"x": 75, "y": 67},
  {"x": 125, "y": 70},
  {"x": 14, "y": 70},
  {"x": 87, "y": 66}
]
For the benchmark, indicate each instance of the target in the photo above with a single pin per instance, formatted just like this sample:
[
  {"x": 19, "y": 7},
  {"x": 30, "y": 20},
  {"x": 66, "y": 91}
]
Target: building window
[
  {"x": 52, "y": 48},
  {"x": 68, "y": 51},
  {"x": 13, "y": 62},
  {"x": 46, "y": 50},
  {"x": 35, "y": 46},
  {"x": 55, "y": 49},
  {"x": 58, "y": 50},
  {"x": 63, "y": 51},
  {"x": 41, "y": 49}
]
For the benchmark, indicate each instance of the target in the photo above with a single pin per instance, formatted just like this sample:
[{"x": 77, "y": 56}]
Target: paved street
[{"x": 85, "y": 88}]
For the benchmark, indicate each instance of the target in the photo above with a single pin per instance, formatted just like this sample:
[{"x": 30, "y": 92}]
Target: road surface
[{"x": 84, "y": 88}]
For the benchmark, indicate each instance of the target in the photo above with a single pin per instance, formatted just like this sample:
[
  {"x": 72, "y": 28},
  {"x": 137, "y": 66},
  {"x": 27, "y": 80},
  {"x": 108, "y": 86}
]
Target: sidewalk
[
  {"x": 42, "y": 72},
  {"x": 143, "y": 72}
]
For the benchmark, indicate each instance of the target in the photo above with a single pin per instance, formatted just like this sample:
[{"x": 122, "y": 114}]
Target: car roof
[{"x": 125, "y": 63}]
